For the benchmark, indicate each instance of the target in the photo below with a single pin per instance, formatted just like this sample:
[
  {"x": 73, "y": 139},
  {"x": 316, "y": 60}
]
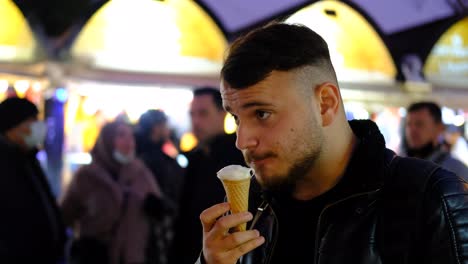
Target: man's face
[
  {"x": 421, "y": 129},
  {"x": 207, "y": 119},
  {"x": 18, "y": 133},
  {"x": 160, "y": 133},
  {"x": 278, "y": 132}
]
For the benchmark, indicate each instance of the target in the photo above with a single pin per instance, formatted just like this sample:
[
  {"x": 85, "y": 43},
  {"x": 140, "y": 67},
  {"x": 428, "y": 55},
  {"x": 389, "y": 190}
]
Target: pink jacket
[{"x": 94, "y": 205}]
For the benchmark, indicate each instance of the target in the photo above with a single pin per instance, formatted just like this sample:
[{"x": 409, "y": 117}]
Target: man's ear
[{"x": 328, "y": 97}]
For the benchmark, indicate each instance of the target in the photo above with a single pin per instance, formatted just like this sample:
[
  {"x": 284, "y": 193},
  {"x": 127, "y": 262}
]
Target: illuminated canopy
[
  {"x": 357, "y": 51},
  {"x": 17, "y": 42},
  {"x": 147, "y": 36},
  {"x": 448, "y": 61}
]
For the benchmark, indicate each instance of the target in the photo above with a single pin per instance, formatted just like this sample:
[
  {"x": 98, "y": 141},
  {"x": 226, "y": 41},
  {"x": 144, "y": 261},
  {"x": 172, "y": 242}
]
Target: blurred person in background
[
  {"x": 456, "y": 143},
  {"x": 152, "y": 133},
  {"x": 110, "y": 202},
  {"x": 31, "y": 227},
  {"x": 424, "y": 134},
  {"x": 202, "y": 188}
]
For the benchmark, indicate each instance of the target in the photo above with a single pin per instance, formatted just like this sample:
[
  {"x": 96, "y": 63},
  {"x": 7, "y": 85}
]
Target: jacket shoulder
[
  {"x": 410, "y": 174},
  {"x": 422, "y": 209}
]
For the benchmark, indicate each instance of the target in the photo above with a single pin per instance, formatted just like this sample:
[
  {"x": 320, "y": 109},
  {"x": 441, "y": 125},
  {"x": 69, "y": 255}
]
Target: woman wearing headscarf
[{"x": 106, "y": 199}]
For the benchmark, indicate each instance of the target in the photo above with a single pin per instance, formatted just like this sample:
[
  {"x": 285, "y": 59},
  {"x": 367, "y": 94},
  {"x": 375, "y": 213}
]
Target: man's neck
[{"x": 327, "y": 171}]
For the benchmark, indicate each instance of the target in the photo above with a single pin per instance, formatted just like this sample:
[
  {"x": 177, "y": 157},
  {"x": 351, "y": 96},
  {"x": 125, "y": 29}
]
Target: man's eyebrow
[{"x": 249, "y": 105}]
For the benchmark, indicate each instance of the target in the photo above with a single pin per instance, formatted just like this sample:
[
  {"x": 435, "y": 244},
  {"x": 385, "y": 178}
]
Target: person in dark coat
[
  {"x": 202, "y": 188},
  {"x": 31, "y": 227},
  {"x": 152, "y": 132}
]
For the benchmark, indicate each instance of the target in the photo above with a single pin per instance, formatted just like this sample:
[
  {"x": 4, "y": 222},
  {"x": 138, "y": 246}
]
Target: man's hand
[{"x": 220, "y": 246}]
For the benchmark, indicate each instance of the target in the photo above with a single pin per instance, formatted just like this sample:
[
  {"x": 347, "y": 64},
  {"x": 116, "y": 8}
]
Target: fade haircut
[
  {"x": 211, "y": 91},
  {"x": 433, "y": 108},
  {"x": 276, "y": 46}
]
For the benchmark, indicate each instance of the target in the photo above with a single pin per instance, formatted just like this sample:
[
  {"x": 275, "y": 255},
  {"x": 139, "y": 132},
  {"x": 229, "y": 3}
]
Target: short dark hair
[
  {"x": 433, "y": 108},
  {"x": 276, "y": 46},
  {"x": 213, "y": 92},
  {"x": 149, "y": 119}
]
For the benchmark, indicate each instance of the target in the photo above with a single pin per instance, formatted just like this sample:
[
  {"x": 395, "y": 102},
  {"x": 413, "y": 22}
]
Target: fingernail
[
  {"x": 247, "y": 215},
  {"x": 260, "y": 240}
]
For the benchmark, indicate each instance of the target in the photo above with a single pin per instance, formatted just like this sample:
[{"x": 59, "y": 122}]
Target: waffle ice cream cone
[{"x": 236, "y": 182}]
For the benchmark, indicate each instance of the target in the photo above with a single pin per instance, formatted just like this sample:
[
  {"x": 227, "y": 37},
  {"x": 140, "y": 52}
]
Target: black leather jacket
[
  {"x": 401, "y": 210},
  {"x": 398, "y": 211}
]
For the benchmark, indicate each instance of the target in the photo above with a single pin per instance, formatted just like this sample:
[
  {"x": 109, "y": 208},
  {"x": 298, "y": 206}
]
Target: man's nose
[{"x": 246, "y": 138}]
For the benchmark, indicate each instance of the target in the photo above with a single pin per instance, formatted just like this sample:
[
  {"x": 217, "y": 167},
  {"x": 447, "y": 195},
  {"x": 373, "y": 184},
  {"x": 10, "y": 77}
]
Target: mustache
[{"x": 249, "y": 157}]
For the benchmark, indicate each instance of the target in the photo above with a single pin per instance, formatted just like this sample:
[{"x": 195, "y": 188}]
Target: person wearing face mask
[
  {"x": 107, "y": 202},
  {"x": 31, "y": 227}
]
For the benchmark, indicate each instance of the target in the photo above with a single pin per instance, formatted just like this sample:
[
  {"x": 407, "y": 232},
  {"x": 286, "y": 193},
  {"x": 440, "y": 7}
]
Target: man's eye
[{"x": 263, "y": 115}]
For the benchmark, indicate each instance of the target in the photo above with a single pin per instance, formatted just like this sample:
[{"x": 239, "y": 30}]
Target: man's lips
[{"x": 259, "y": 160}]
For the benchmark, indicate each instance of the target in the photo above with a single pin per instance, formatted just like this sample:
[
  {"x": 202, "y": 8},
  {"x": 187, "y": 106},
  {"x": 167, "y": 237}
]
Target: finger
[
  {"x": 208, "y": 216},
  {"x": 248, "y": 246},
  {"x": 223, "y": 224},
  {"x": 237, "y": 238}
]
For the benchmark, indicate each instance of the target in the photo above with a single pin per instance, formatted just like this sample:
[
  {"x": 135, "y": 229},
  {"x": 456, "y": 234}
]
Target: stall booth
[
  {"x": 132, "y": 56},
  {"x": 366, "y": 70},
  {"x": 22, "y": 67}
]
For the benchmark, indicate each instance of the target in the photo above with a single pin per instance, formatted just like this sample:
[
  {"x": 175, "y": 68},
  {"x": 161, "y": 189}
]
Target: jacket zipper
[
  {"x": 260, "y": 210},
  {"x": 317, "y": 232},
  {"x": 275, "y": 238}
]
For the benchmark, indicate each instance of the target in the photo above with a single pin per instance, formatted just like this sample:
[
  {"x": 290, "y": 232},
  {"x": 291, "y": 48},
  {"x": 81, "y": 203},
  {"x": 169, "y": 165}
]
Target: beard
[
  {"x": 286, "y": 184},
  {"x": 305, "y": 158},
  {"x": 421, "y": 152}
]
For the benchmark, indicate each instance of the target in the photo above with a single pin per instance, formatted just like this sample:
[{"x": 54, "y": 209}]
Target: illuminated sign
[
  {"x": 172, "y": 36},
  {"x": 17, "y": 43},
  {"x": 449, "y": 57}
]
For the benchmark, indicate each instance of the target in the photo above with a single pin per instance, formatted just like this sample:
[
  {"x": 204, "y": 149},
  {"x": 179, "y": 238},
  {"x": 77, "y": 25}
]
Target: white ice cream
[{"x": 234, "y": 173}]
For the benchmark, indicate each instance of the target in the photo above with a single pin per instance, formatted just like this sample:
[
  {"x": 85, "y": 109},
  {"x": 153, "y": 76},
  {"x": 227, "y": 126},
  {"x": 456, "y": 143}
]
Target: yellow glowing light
[
  {"x": 230, "y": 126},
  {"x": 449, "y": 57},
  {"x": 21, "y": 86},
  {"x": 172, "y": 36},
  {"x": 187, "y": 142},
  {"x": 459, "y": 120},
  {"x": 356, "y": 49},
  {"x": 3, "y": 86},
  {"x": 90, "y": 106},
  {"x": 37, "y": 86},
  {"x": 17, "y": 41}
]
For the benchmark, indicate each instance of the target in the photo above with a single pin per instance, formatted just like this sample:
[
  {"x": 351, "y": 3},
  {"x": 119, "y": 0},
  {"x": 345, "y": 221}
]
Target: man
[
  {"x": 202, "y": 188},
  {"x": 31, "y": 228},
  {"x": 423, "y": 130},
  {"x": 151, "y": 134},
  {"x": 325, "y": 190}
]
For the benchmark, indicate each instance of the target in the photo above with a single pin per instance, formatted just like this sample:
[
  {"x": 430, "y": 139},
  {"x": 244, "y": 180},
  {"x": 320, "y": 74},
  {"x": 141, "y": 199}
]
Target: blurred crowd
[{"x": 132, "y": 204}]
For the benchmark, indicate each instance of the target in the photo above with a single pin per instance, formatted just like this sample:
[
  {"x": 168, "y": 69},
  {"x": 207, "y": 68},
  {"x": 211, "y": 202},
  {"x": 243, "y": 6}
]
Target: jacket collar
[{"x": 367, "y": 166}]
